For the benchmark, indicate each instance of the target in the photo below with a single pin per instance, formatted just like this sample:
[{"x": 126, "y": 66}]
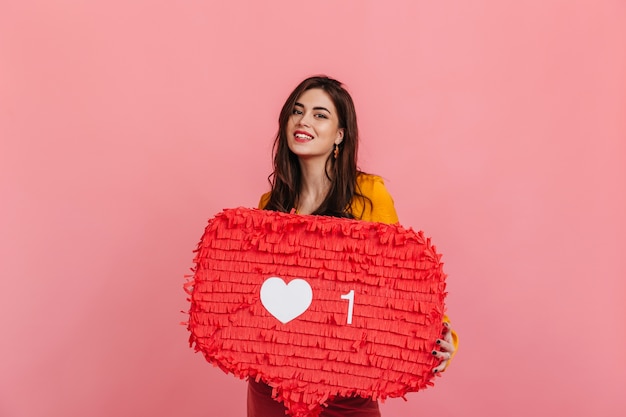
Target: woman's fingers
[
  {"x": 440, "y": 367},
  {"x": 442, "y": 355},
  {"x": 445, "y": 345}
]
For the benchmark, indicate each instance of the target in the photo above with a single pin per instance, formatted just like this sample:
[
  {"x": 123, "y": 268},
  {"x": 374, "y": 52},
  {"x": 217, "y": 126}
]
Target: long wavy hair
[{"x": 286, "y": 178}]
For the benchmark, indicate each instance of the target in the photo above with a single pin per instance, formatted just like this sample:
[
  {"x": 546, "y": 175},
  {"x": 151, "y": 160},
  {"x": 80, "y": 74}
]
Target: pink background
[{"x": 499, "y": 126}]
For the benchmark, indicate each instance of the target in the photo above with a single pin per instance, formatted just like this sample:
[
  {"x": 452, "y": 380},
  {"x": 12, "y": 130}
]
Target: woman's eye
[
  {"x": 321, "y": 116},
  {"x": 296, "y": 111}
]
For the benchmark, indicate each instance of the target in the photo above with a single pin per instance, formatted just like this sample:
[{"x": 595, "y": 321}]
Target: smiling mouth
[{"x": 302, "y": 137}]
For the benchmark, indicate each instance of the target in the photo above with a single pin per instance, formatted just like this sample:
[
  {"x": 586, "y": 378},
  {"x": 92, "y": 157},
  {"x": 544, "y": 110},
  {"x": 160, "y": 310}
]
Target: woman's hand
[{"x": 446, "y": 348}]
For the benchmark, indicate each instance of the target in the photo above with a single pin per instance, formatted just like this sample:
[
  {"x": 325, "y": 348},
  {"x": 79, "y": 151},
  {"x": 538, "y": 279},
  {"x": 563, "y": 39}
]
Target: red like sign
[{"x": 317, "y": 306}]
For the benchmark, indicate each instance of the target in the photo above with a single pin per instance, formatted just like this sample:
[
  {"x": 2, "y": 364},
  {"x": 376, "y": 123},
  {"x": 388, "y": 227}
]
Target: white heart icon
[{"x": 286, "y": 301}]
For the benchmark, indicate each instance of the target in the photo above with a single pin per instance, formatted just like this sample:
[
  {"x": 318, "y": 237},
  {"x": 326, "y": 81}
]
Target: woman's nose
[{"x": 303, "y": 120}]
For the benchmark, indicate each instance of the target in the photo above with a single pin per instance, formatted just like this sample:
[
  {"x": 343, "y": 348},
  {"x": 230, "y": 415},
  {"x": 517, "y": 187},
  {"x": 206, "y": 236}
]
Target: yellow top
[{"x": 380, "y": 210}]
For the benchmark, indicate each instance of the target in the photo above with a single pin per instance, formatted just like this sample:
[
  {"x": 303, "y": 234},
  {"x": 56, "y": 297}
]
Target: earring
[{"x": 336, "y": 151}]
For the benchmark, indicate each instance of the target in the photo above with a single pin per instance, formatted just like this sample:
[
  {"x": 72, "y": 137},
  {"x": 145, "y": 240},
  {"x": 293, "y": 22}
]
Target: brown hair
[{"x": 286, "y": 178}]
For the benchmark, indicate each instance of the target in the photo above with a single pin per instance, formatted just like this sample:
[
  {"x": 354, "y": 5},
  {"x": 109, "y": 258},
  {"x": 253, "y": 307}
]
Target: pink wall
[{"x": 124, "y": 125}]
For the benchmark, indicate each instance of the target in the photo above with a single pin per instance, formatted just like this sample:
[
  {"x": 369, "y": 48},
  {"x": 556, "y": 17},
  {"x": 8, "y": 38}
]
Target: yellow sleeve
[
  {"x": 265, "y": 198},
  {"x": 379, "y": 207}
]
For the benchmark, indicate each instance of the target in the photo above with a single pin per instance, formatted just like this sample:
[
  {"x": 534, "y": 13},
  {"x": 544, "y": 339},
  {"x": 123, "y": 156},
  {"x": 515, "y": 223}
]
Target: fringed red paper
[{"x": 374, "y": 310}]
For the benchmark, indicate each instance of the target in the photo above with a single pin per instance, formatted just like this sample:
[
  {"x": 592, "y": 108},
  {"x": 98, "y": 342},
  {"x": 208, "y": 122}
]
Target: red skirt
[{"x": 261, "y": 404}]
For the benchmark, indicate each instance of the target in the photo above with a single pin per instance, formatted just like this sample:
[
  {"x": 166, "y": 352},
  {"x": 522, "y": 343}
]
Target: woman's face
[{"x": 313, "y": 128}]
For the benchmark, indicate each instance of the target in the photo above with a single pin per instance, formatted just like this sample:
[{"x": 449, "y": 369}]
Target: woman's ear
[{"x": 339, "y": 138}]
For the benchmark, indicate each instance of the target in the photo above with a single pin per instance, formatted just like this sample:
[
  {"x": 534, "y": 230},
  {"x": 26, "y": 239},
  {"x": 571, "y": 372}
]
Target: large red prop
[{"x": 317, "y": 306}]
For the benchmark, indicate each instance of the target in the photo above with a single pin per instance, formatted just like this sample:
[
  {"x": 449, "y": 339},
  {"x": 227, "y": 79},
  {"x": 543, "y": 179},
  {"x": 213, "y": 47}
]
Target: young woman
[{"x": 315, "y": 172}]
